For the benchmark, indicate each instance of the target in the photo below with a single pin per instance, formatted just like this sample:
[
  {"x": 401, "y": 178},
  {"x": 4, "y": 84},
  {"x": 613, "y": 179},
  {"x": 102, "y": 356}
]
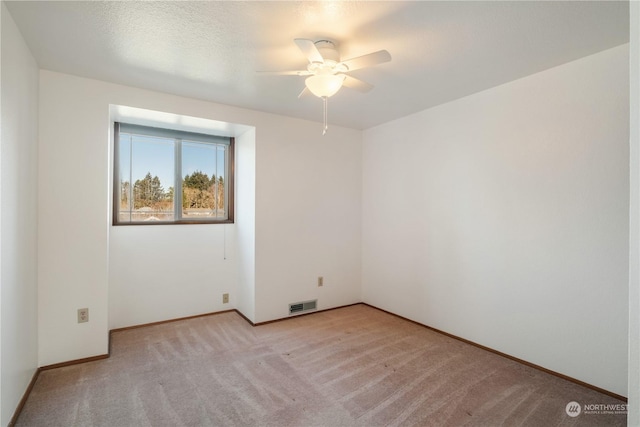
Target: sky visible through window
[{"x": 156, "y": 156}]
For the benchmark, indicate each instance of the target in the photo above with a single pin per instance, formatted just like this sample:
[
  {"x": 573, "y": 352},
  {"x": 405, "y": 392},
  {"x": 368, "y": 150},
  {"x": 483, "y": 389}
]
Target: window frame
[{"x": 229, "y": 178}]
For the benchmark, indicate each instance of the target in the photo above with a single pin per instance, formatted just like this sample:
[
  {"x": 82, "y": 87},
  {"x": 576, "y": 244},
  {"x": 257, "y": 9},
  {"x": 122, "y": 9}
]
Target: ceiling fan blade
[
  {"x": 357, "y": 84},
  {"x": 368, "y": 60},
  {"x": 285, "y": 73},
  {"x": 309, "y": 50},
  {"x": 304, "y": 92}
]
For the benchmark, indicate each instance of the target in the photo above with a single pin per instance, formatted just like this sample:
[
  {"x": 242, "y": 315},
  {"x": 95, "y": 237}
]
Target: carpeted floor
[{"x": 354, "y": 366}]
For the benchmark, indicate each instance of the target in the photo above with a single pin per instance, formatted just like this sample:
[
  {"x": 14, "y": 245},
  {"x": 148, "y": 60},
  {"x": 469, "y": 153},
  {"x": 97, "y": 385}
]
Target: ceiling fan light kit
[
  {"x": 324, "y": 85},
  {"x": 327, "y": 74}
]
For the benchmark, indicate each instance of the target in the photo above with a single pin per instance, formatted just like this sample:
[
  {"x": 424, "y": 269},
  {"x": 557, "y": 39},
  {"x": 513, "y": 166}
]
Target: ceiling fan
[{"x": 327, "y": 74}]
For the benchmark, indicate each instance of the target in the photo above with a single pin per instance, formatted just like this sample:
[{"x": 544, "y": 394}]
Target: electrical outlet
[
  {"x": 225, "y": 298},
  {"x": 320, "y": 281},
  {"x": 83, "y": 315}
]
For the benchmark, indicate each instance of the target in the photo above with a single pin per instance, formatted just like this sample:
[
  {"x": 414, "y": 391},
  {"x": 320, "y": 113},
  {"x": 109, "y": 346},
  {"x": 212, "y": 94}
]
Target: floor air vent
[{"x": 300, "y": 307}]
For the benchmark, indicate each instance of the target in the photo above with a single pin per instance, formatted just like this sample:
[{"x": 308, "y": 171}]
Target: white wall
[
  {"x": 308, "y": 207},
  {"x": 82, "y": 256},
  {"x": 167, "y": 272},
  {"x": 245, "y": 221},
  {"x": 72, "y": 220},
  {"x": 633, "y": 418},
  {"x": 502, "y": 218},
  {"x": 18, "y": 204}
]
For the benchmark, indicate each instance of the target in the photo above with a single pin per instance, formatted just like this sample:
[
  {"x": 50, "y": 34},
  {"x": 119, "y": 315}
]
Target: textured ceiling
[{"x": 211, "y": 50}]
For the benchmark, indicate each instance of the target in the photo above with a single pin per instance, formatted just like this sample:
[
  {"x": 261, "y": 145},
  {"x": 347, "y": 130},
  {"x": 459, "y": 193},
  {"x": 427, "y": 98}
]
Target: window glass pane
[
  {"x": 152, "y": 174},
  {"x": 151, "y": 162},
  {"x": 124, "y": 176},
  {"x": 221, "y": 173},
  {"x": 203, "y": 193}
]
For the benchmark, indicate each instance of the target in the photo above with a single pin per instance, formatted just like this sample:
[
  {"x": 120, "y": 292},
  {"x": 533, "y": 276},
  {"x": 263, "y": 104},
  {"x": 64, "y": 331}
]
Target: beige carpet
[{"x": 354, "y": 366}]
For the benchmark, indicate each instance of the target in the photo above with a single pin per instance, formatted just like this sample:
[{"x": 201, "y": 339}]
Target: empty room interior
[{"x": 319, "y": 213}]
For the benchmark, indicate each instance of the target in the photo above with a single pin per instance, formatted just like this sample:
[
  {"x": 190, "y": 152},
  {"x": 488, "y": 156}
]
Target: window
[{"x": 164, "y": 176}]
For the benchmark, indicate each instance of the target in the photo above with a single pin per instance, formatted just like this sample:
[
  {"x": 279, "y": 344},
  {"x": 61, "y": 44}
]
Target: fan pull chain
[{"x": 324, "y": 108}]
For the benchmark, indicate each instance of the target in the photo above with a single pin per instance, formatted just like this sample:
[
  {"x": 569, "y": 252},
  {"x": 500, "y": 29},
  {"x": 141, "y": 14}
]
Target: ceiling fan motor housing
[{"x": 328, "y": 50}]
